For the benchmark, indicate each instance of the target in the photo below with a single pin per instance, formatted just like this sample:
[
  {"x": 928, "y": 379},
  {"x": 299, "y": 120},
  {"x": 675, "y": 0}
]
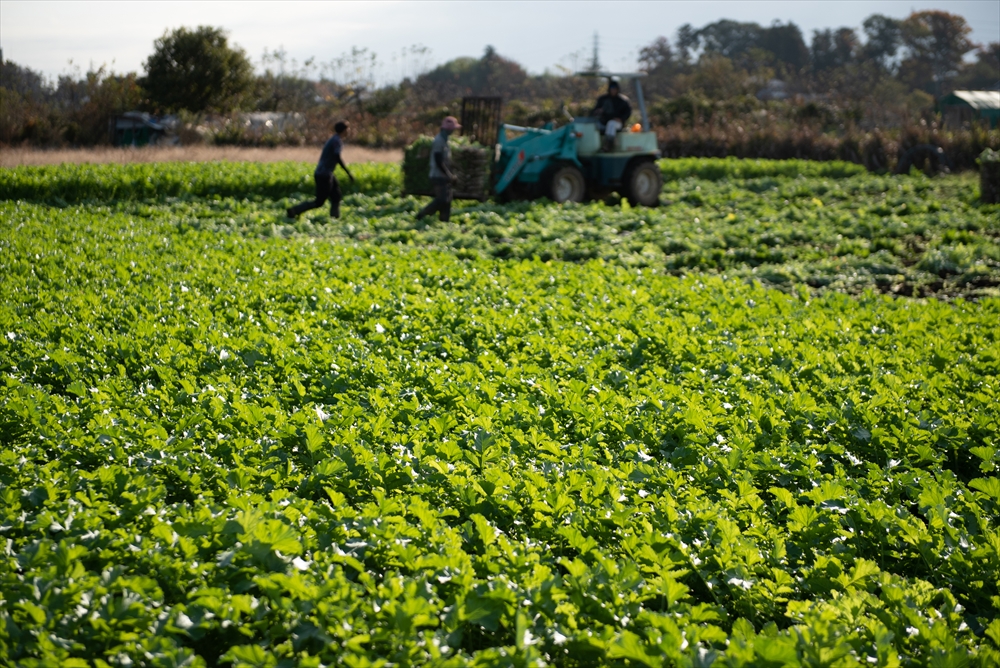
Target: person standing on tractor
[
  {"x": 441, "y": 175},
  {"x": 612, "y": 111},
  {"x": 327, "y": 186}
]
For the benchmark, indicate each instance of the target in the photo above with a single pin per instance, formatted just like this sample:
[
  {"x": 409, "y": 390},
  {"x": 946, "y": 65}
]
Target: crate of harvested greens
[
  {"x": 469, "y": 161},
  {"x": 989, "y": 176}
]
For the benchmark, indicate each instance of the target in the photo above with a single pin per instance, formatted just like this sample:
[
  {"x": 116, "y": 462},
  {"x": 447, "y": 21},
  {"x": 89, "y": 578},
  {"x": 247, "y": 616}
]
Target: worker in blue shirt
[
  {"x": 327, "y": 187},
  {"x": 441, "y": 175}
]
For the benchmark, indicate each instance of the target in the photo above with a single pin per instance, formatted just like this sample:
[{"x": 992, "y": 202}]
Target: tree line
[
  {"x": 924, "y": 52},
  {"x": 888, "y": 75}
]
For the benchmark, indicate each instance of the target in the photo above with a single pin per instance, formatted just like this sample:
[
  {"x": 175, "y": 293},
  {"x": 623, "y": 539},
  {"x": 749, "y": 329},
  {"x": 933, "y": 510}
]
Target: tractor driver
[{"x": 612, "y": 110}]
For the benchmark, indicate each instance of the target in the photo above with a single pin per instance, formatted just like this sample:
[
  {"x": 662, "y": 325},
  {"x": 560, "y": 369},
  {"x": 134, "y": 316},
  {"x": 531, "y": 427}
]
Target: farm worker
[
  {"x": 441, "y": 175},
  {"x": 327, "y": 187},
  {"x": 612, "y": 109}
]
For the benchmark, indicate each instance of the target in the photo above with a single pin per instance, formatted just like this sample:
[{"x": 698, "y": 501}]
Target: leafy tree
[
  {"x": 787, "y": 45},
  {"x": 284, "y": 84},
  {"x": 21, "y": 80},
  {"x": 92, "y": 101},
  {"x": 277, "y": 92},
  {"x": 497, "y": 75},
  {"x": 834, "y": 49},
  {"x": 385, "y": 100},
  {"x": 196, "y": 70},
  {"x": 731, "y": 39},
  {"x": 883, "y": 39},
  {"x": 984, "y": 74},
  {"x": 717, "y": 77},
  {"x": 656, "y": 55},
  {"x": 26, "y": 114},
  {"x": 661, "y": 64},
  {"x": 748, "y": 45},
  {"x": 687, "y": 42},
  {"x": 936, "y": 42},
  {"x": 492, "y": 74},
  {"x": 74, "y": 110}
]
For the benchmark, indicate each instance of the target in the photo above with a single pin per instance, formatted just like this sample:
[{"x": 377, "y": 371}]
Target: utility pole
[{"x": 595, "y": 62}]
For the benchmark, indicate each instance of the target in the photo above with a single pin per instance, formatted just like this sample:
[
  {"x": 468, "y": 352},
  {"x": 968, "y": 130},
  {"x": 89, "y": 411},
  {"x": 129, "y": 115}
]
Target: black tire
[
  {"x": 566, "y": 184},
  {"x": 922, "y": 153},
  {"x": 643, "y": 183}
]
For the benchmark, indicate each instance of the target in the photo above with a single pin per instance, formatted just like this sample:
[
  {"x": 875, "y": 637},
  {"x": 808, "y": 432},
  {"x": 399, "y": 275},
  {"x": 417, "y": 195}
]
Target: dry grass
[{"x": 14, "y": 157}]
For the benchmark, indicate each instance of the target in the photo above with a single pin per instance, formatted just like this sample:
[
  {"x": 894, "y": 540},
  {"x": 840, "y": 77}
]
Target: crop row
[
  {"x": 903, "y": 236},
  {"x": 251, "y": 450},
  {"x": 73, "y": 184},
  {"x": 65, "y": 184},
  {"x": 828, "y": 226},
  {"x": 908, "y": 236}
]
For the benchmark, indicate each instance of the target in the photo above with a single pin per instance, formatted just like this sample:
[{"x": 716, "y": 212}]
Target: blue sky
[{"x": 47, "y": 35}]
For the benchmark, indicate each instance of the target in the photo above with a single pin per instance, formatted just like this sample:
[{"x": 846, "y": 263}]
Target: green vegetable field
[{"x": 756, "y": 426}]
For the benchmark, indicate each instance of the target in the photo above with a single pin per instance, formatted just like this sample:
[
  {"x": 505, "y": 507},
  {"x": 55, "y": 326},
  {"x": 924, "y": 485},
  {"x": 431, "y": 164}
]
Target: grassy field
[{"x": 539, "y": 435}]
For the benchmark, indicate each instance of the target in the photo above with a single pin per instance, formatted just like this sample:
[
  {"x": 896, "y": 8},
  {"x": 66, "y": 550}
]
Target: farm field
[
  {"x": 17, "y": 157},
  {"x": 787, "y": 224},
  {"x": 755, "y": 426}
]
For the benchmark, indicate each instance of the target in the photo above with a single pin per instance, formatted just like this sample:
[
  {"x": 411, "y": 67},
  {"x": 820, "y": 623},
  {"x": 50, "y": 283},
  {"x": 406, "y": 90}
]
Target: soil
[{"x": 14, "y": 157}]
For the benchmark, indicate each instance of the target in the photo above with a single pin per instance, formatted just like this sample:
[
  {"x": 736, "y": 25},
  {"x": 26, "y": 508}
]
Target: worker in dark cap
[
  {"x": 441, "y": 175},
  {"x": 612, "y": 111},
  {"x": 327, "y": 186}
]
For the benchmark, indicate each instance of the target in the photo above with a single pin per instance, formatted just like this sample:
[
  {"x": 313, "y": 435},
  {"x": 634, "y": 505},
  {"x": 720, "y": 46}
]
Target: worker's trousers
[
  {"x": 327, "y": 188},
  {"x": 441, "y": 202}
]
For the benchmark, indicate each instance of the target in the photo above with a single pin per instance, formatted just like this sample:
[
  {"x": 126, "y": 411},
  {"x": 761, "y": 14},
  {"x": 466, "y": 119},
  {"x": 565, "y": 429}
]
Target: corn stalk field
[{"x": 755, "y": 426}]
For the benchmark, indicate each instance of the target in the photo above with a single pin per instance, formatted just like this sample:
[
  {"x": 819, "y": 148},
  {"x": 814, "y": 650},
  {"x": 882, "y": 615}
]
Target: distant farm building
[
  {"x": 776, "y": 89},
  {"x": 136, "y": 128},
  {"x": 970, "y": 106}
]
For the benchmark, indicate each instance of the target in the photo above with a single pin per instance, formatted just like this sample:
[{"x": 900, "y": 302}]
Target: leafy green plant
[
  {"x": 72, "y": 184},
  {"x": 470, "y": 162},
  {"x": 792, "y": 225},
  {"x": 226, "y": 446},
  {"x": 989, "y": 176}
]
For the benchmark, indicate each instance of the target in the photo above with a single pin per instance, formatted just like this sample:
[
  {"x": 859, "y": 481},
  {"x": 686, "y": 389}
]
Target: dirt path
[{"x": 14, "y": 157}]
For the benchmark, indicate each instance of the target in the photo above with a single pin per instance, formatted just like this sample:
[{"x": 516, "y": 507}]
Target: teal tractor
[{"x": 571, "y": 163}]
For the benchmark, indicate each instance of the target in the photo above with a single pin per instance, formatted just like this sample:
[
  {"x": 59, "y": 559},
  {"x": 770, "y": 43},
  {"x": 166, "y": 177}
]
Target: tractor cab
[{"x": 572, "y": 163}]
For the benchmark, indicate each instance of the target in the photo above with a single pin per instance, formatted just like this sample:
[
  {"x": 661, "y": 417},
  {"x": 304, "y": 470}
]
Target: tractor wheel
[
  {"x": 567, "y": 185},
  {"x": 643, "y": 183}
]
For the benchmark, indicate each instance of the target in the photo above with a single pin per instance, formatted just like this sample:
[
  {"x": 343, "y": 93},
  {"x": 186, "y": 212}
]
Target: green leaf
[
  {"x": 486, "y": 532},
  {"x": 863, "y": 570},
  {"x": 313, "y": 437},
  {"x": 630, "y": 646},
  {"x": 250, "y": 656},
  {"x": 783, "y": 496},
  {"x": 742, "y": 628},
  {"x": 36, "y": 613},
  {"x": 776, "y": 651},
  {"x": 483, "y": 611},
  {"x": 988, "y": 486},
  {"x": 993, "y": 632}
]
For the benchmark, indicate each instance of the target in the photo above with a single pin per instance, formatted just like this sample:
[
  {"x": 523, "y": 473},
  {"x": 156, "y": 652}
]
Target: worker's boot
[
  {"x": 335, "y": 209},
  {"x": 445, "y": 214},
  {"x": 290, "y": 213}
]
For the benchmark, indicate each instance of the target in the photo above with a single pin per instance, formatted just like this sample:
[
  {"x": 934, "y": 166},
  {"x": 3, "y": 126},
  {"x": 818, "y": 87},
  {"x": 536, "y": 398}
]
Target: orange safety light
[{"x": 637, "y": 127}]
